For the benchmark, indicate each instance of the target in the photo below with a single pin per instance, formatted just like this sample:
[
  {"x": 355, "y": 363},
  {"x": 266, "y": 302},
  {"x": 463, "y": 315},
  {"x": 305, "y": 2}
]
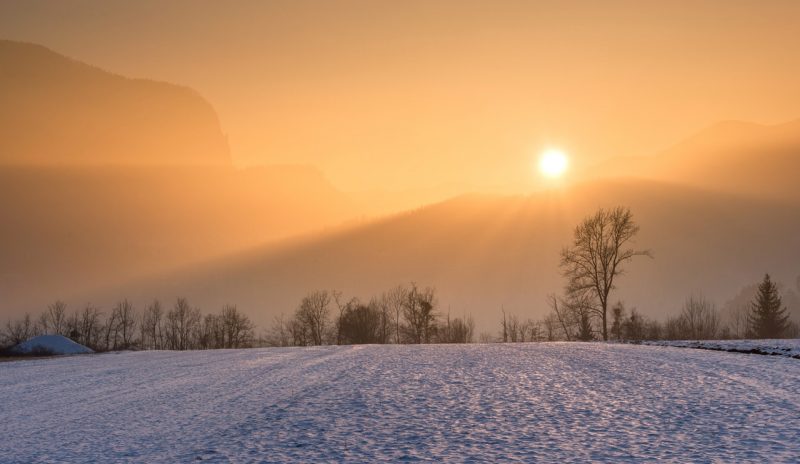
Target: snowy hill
[
  {"x": 545, "y": 402},
  {"x": 51, "y": 344}
]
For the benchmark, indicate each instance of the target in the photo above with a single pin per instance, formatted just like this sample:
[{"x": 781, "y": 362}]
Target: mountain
[
  {"x": 487, "y": 252},
  {"x": 69, "y": 229},
  {"x": 105, "y": 179},
  {"x": 731, "y": 156},
  {"x": 55, "y": 110}
]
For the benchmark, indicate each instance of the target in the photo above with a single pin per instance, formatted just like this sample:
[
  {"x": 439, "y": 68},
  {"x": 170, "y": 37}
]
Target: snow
[
  {"x": 53, "y": 344},
  {"x": 469, "y": 403},
  {"x": 777, "y": 347}
]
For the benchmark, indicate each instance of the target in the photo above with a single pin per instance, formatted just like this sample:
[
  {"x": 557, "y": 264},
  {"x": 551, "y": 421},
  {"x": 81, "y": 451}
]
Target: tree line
[
  {"x": 405, "y": 314},
  {"x": 179, "y": 327},
  {"x": 408, "y": 314},
  {"x": 592, "y": 266}
]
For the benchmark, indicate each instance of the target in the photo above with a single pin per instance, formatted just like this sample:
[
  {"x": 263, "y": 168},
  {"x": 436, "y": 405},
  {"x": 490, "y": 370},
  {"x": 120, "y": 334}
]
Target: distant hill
[
  {"x": 64, "y": 230},
  {"x": 484, "y": 252},
  {"x": 55, "y": 110},
  {"x": 731, "y": 156}
]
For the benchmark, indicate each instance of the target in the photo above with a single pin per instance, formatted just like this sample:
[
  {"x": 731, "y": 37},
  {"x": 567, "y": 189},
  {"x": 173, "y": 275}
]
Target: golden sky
[{"x": 415, "y": 94}]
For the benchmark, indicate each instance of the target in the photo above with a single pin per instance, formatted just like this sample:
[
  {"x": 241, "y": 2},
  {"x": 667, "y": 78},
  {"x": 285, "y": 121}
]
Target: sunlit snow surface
[{"x": 529, "y": 402}]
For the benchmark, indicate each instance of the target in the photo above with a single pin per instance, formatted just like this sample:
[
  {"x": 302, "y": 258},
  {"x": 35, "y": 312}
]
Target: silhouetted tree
[
  {"x": 565, "y": 318},
  {"x": 18, "y": 331},
  {"x": 279, "y": 334},
  {"x": 456, "y": 330},
  {"x": 585, "y": 326},
  {"x": 419, "y": 313},
  {"x": 314, "y": 314},
  {"x": 54, "y": 319},
  {"x": 551, "y": 327},
  {"x": 699, "y": 319},
  {"x": 181, "y": 325},
  {"x": 596, "y": 257},
  {"x": 236, "y": 327},
  {"x": 633, "y": 328},
  {"x": 395, "y": 300},
  {"x": 383, "y": 305},
  {"x": 91, "y": 327},
  {"x": 152, "y": 326},
  {"x": 618, "y": 314},
  {"x": 768, "y": 319},
  {"x": 360, "y": 323},
  {"x": 125, "y": 316}
]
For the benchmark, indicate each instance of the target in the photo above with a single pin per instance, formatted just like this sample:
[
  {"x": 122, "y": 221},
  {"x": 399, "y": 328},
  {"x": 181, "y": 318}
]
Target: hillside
[
  {"x": 66, "y": 230},
  {"x": 485, "y": 252},
  {"x": 55, "y": 110},
  {"x": 731, "y": 156},
  {"x": 522, "y": 402}
]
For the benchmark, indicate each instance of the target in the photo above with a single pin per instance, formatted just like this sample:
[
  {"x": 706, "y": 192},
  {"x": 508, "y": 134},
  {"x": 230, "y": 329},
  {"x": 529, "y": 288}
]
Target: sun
[{"x": 553, "y": 163}]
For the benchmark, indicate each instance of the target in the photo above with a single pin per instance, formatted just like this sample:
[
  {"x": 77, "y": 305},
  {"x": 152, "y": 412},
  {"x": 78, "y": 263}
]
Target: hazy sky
[{"x": 412, "y": 94}]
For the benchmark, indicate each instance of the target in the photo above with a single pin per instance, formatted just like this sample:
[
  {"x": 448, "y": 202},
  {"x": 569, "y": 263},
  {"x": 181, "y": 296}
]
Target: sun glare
[{"x": 553, "y": 163}]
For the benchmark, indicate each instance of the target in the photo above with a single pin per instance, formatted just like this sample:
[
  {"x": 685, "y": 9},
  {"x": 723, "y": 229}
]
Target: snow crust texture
[
  {"x": 55, "y": 344},
  {"x": 778, "y": 347},
  {"x": 547, "y": 402}
]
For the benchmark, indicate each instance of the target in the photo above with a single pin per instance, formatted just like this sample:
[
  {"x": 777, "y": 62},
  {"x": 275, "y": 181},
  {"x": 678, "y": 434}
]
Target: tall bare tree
[{"x": 600, "y": 248}]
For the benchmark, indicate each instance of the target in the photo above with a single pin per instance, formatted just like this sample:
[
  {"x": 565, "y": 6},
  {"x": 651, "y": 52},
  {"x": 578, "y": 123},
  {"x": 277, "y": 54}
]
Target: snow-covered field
[
  {"x": 779, "y": 347},
  {"x": 527, "y": 402}
]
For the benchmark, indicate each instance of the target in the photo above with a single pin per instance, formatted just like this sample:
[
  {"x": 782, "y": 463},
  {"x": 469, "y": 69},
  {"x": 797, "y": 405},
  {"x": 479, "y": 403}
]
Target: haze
[
  {"x": 251, "y": 153},
  {"x": 381, "y": 95}
]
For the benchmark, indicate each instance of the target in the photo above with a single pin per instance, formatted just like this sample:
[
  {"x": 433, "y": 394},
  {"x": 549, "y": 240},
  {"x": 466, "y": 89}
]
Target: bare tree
[
  {"x": 383, "y": 305},
  {"x": 279, "y": 334},
  {"x": 237, "y": 328},
  {"x": 314, "y": 314},
  {"x": 456, "y": 330},
  {"x": 551, "y": 327},
  {"x": 561, "y": 316},
  {"x": 737, "y": 317},
  {"x": 419, "y": 313},
  {"x": 54, "y": 319},
  {"x": 633, "y": 327},
  {"x": 125, "y": 316},
  {"x": 618, "y": 313},
  {"x": 152, "y": 326},
  {"x": 182, "y": 321},
  {"x": 18, "y": 331},
  {"x": 90, "y": 326},
  {"x": 699, "y": 318},
  {"x": 597, "y": 255},
  {"x": 395, "y": 299}
]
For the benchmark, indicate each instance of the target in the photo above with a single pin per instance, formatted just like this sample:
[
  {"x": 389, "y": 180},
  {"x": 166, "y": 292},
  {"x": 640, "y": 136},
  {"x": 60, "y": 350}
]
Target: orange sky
[{"x": 415, "y": 94}]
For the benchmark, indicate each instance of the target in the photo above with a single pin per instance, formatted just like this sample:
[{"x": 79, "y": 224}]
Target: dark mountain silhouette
[
  {"x": 482, "y": 252},
  {"x": 55, "y": 110}
]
